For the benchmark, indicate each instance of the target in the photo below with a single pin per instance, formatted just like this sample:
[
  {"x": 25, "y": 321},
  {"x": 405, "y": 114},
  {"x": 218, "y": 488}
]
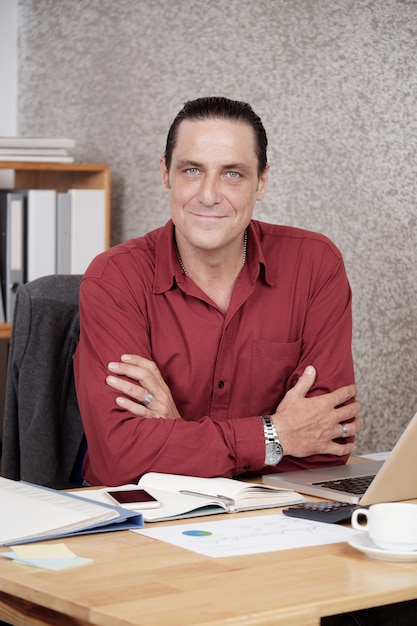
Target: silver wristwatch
[{"x": 273, "y": 447}]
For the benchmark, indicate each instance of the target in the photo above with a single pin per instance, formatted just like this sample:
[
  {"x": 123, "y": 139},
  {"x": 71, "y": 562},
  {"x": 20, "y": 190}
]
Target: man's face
[{"x": 213, "y": 182}]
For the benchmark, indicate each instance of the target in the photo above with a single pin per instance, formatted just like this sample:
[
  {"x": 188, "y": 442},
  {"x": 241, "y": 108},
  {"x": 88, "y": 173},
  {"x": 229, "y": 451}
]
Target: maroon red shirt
[{"x": 290, "y": 307}]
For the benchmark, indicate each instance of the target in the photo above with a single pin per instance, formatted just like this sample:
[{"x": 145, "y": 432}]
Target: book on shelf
[
  {"x": 32, "y": 513},
  {"x": 189, "y": 496},
  {"x": 12, "y": 247}
]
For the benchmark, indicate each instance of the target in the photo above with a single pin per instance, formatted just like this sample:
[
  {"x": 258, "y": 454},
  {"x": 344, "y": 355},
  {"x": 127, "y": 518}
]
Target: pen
[{"x": 225, "y": 499}]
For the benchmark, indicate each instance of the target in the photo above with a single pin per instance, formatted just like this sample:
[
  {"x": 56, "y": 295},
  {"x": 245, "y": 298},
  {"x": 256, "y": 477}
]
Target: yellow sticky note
[{"x": 43, "y": 551}]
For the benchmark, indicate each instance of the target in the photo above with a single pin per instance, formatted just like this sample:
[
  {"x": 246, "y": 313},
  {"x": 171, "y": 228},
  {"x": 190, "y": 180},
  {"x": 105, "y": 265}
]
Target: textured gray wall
[{"x": 335, "y": 82}]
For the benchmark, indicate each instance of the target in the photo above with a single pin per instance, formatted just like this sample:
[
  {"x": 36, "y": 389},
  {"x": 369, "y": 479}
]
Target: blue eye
[
  {"x": 233, "y": 174},
  {"x": 192, "y": 171}
]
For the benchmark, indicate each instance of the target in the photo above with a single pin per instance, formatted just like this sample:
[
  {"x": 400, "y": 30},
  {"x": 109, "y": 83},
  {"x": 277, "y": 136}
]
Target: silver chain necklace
[{"x": 182, "y": 266}]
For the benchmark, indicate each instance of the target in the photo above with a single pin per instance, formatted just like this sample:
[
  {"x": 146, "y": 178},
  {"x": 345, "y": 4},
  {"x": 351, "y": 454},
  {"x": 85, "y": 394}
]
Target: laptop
[{"x": 364, "y": 483}]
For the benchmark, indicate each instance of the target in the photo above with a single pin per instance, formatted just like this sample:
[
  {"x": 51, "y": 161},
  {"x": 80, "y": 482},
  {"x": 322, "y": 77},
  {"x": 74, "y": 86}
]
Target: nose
[{"x": 209, "y": 191}]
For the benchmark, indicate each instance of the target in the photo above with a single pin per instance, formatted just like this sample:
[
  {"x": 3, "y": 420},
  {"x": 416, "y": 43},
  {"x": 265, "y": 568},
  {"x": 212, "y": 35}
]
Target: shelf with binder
[{"x": 63, "y": 177}]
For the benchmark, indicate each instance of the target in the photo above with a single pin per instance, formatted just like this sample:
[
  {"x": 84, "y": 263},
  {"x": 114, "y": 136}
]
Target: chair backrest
[{"x": 42, "y": 431}]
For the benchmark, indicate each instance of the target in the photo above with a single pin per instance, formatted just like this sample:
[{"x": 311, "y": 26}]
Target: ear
[
  {"x": 164, "y": 174},
  {"x": 263, "y": 183}
]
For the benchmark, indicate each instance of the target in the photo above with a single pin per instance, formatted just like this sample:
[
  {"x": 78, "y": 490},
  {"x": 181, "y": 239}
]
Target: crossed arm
[{"x": 305, "y": 425}]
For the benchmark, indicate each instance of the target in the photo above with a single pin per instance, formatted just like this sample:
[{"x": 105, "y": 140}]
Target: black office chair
[{"x": 43, "y": 437}]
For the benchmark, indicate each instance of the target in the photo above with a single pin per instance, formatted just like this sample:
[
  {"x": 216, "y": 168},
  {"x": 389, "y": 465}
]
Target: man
[{"x": 215, "y": 345}]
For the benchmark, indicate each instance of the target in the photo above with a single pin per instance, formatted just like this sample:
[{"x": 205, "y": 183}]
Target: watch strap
[
  {"x": 273, "y": 447},
  {"x": 270, "y": 431}
]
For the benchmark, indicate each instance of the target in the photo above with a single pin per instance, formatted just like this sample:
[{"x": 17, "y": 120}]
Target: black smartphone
[{"x": 133, "y": 498}]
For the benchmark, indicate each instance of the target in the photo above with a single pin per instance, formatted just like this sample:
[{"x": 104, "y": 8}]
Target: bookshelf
[{"x": 59, "y": 176}]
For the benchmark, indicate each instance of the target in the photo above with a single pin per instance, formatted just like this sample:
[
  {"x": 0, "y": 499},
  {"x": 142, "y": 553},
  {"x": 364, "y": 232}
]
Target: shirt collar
[
  {"x": 258, "y": 265},
  {"x": 168, "y": 272},
  {"x": 167, "y": 269}
]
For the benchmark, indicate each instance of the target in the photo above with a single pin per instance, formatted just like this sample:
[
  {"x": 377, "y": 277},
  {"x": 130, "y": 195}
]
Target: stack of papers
[{"x": 45, "y": 149}]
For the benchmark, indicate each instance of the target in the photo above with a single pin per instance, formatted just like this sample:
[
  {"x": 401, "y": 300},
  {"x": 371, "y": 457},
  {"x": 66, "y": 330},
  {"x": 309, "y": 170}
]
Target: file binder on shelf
[
  {"x": 88, "y": 227},
  {"x": 41, "y": 233},
  {"x": 13, "y": 248},
  {"x": 63, "y": 233},
  {"x": 2, "y": 315}
]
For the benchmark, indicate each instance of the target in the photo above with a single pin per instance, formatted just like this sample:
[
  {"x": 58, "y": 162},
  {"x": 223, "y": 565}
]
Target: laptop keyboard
[{"x": 356, "y": 486}]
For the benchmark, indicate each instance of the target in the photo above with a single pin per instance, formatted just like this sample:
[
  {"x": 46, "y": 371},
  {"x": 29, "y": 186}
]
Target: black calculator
[{"x": 328, "y": 511}]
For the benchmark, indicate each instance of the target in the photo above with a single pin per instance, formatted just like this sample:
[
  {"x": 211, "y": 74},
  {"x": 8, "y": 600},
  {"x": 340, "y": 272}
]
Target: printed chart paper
[{"x": 249, "y": 535}]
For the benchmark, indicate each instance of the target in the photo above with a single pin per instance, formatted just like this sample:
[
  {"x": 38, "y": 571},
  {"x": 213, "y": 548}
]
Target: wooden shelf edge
[{"x": 5, "y": 330}]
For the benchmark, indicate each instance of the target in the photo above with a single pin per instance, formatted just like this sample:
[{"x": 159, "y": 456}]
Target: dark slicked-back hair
[{"x": 220, "y": 108}]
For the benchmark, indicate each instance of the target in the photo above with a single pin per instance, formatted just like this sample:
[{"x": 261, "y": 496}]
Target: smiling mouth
[{"x": 208, "y": 216}]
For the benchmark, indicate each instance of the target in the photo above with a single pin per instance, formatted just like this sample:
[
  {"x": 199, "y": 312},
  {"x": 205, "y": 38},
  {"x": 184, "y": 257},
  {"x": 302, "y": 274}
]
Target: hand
[
  {"x": 307, "y": 426},
  {"x": 145, "y": 393}
]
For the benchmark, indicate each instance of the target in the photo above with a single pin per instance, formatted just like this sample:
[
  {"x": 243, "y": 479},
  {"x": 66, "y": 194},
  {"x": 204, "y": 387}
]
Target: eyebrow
[
  {"x": 227, "y": 166},
  {"x": 186, "y": 163}
]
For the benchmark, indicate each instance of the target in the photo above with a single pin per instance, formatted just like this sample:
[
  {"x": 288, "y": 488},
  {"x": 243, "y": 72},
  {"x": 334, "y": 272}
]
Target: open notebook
[
  {"x": 363, "y": 483},
  {"x": 191, "y": 496}
]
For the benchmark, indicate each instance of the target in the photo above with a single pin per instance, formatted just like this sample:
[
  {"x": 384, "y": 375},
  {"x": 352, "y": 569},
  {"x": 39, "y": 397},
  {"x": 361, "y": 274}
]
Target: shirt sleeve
[{"x": 326, "y": 344}]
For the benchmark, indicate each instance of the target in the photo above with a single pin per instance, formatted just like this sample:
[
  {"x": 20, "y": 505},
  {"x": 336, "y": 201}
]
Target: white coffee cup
[{"x": 391, "y": 525}]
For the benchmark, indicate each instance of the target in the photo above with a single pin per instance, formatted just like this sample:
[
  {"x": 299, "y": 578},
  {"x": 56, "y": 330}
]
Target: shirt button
[{"x": 220, "y": 384}]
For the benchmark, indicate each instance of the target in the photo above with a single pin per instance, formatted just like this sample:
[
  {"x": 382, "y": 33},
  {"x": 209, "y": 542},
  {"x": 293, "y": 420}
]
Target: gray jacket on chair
[{"x": 42, "y": 430}]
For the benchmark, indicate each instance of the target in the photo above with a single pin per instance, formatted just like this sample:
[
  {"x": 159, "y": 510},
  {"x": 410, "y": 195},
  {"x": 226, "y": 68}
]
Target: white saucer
[{"x": 364, "y": 544}]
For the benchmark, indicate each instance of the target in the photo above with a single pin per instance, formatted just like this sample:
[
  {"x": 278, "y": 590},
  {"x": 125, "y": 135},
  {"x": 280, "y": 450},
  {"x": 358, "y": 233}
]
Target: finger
[
  {"x": 135, "y": 359},
  {"x": 130, "y": 389},
  {"x": 348, "y": 429},
  {"x": 147, "y": 374},
  {"x": 123, "y": 369},
  {"x": 340, "y": 449},
  {"x": 141, "y": 411},
  {"x": 133, "y": 407},
  {"x": 343, "y": 394},
  {"x": 133, "y": 381},
  {"x": 146, "y": 366},
  {"x": 140, "y": 369},
  {"x": 345, "y": 430},
  {"x": 305, "y": 382},
  {"x": 347, "y": 412},
  {"x": 147, "y": 399}
]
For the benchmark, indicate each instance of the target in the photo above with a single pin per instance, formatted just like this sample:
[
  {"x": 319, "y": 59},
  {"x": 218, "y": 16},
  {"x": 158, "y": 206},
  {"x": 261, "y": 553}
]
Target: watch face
[{"x": 273, "y": 453}]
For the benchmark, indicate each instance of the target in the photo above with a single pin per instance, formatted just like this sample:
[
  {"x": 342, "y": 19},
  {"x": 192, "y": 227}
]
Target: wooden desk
[{"x": 139, "y": 581}]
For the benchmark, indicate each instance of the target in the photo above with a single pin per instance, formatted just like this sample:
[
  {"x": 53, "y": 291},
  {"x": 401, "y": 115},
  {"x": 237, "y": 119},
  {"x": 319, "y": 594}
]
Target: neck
[
  {"x": 215, "y": 279},
  {"x": 218, "y": 266}
]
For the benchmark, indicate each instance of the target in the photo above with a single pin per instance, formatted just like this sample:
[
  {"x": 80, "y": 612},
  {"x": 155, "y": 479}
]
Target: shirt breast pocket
[{"x": 272, "y": 364}]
